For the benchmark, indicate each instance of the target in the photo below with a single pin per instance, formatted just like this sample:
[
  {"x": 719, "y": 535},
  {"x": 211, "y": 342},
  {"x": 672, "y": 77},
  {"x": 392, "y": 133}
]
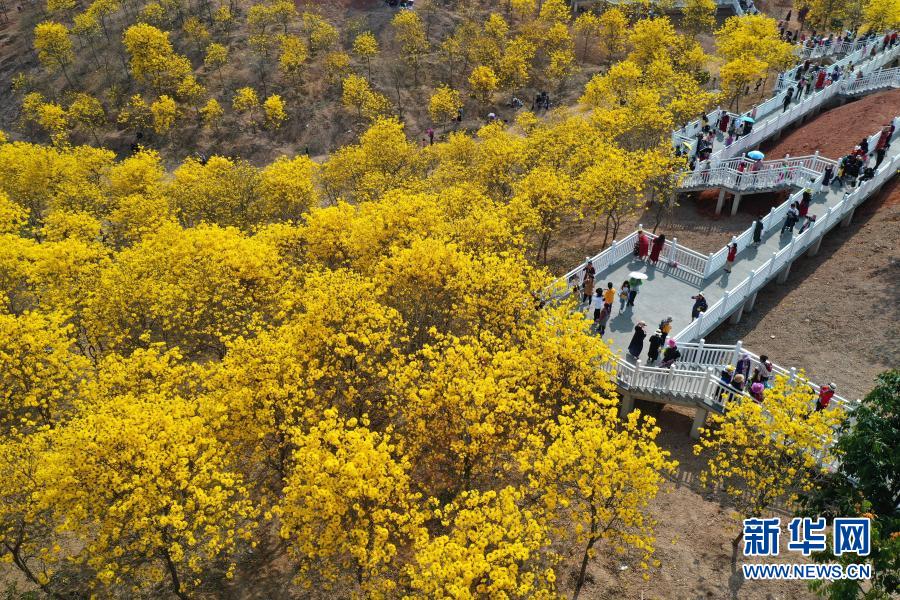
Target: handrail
[{"x": 856, "y": 50}]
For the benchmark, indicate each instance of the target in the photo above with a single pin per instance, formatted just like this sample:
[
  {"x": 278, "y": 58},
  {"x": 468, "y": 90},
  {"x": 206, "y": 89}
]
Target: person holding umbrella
[
  {"x": 635, "y": 279},
  {"x": 748, "y": 124}
]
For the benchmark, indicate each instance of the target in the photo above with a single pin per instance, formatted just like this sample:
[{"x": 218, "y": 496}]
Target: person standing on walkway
[
  {"x": 758, "y": 230},
  {"x": 637, "y": 341},
  {"x": 827, "y": 176},
  {"x": 727, "y": 375},
  {"x": 820, "y": 79},
  {"x": 742, "y": 367},
  {"x": 732, "y": 254},
  {"x": 587, "y": 284},
  {"x": 655, "y": 251},
  {"x": 642, "y": 247},
  {"x": 879, "y": 155},
  {"x": 757, "y": 392},
  {"x": 805, "y": 201},
  {"x": 633, "y": 285},
  {"x": 793, "y": 214},
  {"x": 788, "y": 96},
  {"x": 826, "y": 393},
  {"x": 656, "y": 341},
  {"x": 624, "y": 295},
  {"x": 609, "y": 296},
  {"x": 671, "y": 354},
  {"x": 665, "y": 326},
  {"x": 601, "y": 312},
  {"x": 700, "y": 306}
]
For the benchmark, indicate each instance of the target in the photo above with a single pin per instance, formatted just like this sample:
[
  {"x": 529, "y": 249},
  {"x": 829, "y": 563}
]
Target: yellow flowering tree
[
  {"x": 348, "y": 509},
  {"x": 293, "y": 57},
  {"x": 164, "y": 111},
  {"x": 38, "y": 370},
  {"x": 147, "y": 489},
  {"x": 765, "y": 453},
  {"x": 273, "y": 108},
  {"x": 494, "y": 547},
  {"x": 54, "y": 48},
  {"x": 365, "y": 46},
  {"x": 548, "y": 192},
  {"x": 211, "y": 113},
  {"x": 602, "y": 476},
  {"x": 153, "y": 60},
  {"x": 332, "y": 353},
  {"x": 444, "y": 104},
  {"x": 287, "y": 189},
  {"x": 484, "y": 82}
]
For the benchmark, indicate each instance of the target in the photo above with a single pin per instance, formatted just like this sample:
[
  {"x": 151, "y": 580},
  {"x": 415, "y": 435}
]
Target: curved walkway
[{"x": 682, "y": 273}]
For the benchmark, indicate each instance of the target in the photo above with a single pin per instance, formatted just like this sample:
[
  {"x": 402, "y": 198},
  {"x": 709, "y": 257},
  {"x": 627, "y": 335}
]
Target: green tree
[{"x": 866, "y": 484}]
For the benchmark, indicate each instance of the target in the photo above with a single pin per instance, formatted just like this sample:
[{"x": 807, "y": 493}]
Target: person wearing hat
[
  {"x": 743, "y": 365},
  {"x": 656, "y": 341},
  {"x": 637, "y": 340},
  {"x": 587, "y": 283},
  {"x": 732, "y": 254},
  {"x": 826, "y": 393},
  {"x": 665, "y": 326},
  {"x": 700, "y": 306},
  {"x": 727, "y": 374},
  {"x": 757, "y": 391},
  {"x": 671, "y": 354}
]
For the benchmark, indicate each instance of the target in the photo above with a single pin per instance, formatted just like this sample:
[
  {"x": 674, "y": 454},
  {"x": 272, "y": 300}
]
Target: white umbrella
[{"x": 637, "y": 275}]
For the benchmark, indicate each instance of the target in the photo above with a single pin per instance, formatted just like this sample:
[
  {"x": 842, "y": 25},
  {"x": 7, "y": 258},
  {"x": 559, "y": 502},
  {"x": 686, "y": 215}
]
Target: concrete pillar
[
  {"x": 782, "y": 277},
  {"x": 848, "y": 218},
  {"x": 699, "y": 421},
  {"x": 721, "y": 201},
  {"x": 736, "y": 315},
  {"x": 626, "y": 406},
  {"x": 749, "y": 302},
  {"x": 735, "y": 203},
  {"x": 814, "y": 249}
]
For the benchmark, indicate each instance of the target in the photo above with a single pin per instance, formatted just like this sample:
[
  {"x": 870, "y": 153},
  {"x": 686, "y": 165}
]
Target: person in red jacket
[
  {"x": 643, "y": 245},
  {"x": 732, "y": 254},
  {"x": 825, "y": 395}
]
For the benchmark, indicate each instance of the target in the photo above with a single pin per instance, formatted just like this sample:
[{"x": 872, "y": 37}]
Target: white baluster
[{"x": 736, "y": 352}]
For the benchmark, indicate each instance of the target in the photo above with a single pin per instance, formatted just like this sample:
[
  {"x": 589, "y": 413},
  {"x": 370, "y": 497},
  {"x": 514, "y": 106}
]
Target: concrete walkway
[{"x": 667, "y": 292}]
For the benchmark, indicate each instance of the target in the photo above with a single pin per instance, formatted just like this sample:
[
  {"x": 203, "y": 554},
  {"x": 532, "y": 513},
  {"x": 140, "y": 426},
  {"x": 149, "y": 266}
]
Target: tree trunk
[
  {"x": 583, "y": 570},
  {"x": 173, "y": 573}
]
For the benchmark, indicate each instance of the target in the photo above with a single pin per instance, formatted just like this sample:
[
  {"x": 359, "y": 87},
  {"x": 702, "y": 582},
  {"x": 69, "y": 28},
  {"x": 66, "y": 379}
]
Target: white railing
[
  {"x": 855, "y": 51},
  {"x": 765, "y": 127},
  {"x": 703, "y": 384},
  {"x": 877, "y": 80},
  {"x": 702, "y": 356},
  {"x": 769, "y": 176},
  {"x": 686, "y": 259},
  {"x": 758, "y": 277}
]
